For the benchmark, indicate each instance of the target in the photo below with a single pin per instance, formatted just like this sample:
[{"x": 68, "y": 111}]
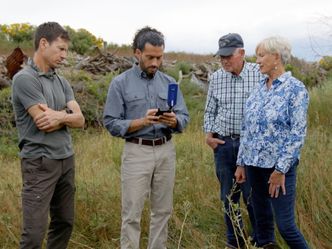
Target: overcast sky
[{"x": 188, "y": 25}]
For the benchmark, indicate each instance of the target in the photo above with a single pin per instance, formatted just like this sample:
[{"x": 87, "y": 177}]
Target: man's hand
[
  {"x": 169, "y": 119},
  {"x": 49, "y": 120},
  {"x": 149, "y": 119},
  {"x": 276, "y": 181},
  {"x": 213, "y": 142},
  {"x": 240, "y": 174}
]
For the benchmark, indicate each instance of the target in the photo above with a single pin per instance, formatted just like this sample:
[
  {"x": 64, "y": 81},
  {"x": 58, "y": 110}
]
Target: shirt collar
[
  {"x": 242, "y": 74},
  {"x": 282, "y": 78},
  {"x": 245, "y": 70},
  {"x": 140, "y": 73},
  {"x": 278, "y": 81},
  {"x": 50, "y": 74}
]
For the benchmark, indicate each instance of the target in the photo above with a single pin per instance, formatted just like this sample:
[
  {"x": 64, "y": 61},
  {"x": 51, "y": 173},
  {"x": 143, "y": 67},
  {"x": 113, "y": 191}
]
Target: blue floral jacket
[{"x": 274, "y": 125}]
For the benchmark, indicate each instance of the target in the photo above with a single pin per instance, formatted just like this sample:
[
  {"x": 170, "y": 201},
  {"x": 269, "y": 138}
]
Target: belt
[
  {"x": 232, "y": 136},
  {"x": 149, "y": 142}
]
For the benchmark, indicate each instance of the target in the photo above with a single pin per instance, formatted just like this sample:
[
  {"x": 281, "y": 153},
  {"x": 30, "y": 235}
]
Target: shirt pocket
[
  {"x": 136, "y": 104},
  {"x": 162, "y": 101}
]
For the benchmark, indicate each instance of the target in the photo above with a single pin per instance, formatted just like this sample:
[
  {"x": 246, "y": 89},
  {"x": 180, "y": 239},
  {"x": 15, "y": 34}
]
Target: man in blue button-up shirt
[{"x": 148, "y": 160}]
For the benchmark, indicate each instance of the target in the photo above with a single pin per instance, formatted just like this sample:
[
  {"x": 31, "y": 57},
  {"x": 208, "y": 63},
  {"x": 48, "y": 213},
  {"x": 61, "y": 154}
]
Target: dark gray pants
[{"x": 48, "y": 187}]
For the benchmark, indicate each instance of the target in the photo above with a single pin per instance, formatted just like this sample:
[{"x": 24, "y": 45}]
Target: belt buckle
[
  {"x": 234, "y": 136},
  {"x": 159, "y": 141},
  {"x": 140, "y": 141},
  {"x": 156, "y": 141}
]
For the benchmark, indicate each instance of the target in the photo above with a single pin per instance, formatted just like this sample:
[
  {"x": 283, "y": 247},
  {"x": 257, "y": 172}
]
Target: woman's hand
[
  {"x": 240, "y": 174},
  {"x": 276, "y": 181}
]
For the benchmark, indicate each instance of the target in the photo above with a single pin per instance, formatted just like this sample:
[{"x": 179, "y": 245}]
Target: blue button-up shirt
[
  {"x": 129, "y": 97},
  {"x": 275, "y": 122}
]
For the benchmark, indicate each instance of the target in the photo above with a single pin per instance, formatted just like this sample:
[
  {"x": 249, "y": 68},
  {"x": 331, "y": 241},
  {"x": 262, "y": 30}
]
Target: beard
[{"x": 149, "y": 71}]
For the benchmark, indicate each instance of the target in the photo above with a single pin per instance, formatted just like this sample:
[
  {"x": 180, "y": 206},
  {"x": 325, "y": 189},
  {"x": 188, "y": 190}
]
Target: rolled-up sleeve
[{"x": 114, "y": 111}]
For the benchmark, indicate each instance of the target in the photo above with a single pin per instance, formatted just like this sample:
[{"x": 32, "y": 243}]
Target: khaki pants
[
  {"x": 147, "y": 171},
  {"x": 48, "y": 187}
]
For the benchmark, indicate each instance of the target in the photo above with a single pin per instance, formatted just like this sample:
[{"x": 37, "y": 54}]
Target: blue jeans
[
  {"x": 283, "y": 208},
  {"x": 225, "y": 156}
]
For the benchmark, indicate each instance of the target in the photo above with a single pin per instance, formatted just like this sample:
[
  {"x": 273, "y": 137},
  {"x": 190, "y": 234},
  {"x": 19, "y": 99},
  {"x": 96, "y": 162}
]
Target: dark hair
[
  {"x": 50, "y": 31},
  {"x": 147, "y": 35}
]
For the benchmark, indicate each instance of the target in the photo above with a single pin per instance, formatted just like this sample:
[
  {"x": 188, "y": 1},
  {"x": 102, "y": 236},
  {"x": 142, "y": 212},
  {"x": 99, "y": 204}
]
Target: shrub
[
  {"x": 309, "y": 74},
  {"x": 185, "y": 67},
  {"x": 6, "y": 111},
  {"x": 82, "y": 40},
  {"x": 18, "y": 32},
  {"x": 194, "y": 96},
  {"x": 173, "y": 71},
  {"x": 8, "y": 134},
  {"x": 92, "y": 97},
  {"x": 326, "y": 63}
]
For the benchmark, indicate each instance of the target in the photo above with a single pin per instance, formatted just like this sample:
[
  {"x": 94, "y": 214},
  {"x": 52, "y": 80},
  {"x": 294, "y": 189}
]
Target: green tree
[
  {"x": 82, "y": 40},
  {"x": 326, "y": 63},
  {"x": 18, "y": 32},
  {"x": 2, "y": 34}
]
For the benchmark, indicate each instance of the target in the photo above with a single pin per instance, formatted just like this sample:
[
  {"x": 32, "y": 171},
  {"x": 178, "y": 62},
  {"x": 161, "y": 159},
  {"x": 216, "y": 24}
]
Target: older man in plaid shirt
[{"x": 229, "y": 88}]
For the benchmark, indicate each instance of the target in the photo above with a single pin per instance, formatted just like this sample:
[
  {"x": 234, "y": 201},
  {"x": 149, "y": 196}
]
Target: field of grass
[{"x": 197, "y": 220}]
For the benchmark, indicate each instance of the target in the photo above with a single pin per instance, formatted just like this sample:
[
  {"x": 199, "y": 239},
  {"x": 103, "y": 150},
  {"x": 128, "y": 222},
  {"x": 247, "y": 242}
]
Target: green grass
[{"x": 197, "y": 220}]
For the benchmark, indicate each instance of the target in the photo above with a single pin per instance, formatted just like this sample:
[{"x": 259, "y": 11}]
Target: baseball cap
[{"x": 228, "y": 43}]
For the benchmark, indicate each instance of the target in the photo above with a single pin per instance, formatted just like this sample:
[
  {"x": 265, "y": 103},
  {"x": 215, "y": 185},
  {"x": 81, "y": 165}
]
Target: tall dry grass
[{"x": 197, "y": 220}]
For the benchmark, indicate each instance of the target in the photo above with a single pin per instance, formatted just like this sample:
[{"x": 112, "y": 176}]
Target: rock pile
[
  {"x": 201, "y": 73},
  {"x": 104, "y": 62}
]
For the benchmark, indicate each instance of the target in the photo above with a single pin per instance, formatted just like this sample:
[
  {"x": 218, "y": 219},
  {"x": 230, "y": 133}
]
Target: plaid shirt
[{"x": 226, "y": 99}]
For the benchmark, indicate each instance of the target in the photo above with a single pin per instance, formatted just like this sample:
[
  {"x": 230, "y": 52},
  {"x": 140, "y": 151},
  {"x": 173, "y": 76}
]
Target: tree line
[{"x": 21, "y": 34}]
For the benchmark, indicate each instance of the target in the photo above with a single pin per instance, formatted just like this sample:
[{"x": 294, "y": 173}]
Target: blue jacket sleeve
[{"x": 290, "y": 151}]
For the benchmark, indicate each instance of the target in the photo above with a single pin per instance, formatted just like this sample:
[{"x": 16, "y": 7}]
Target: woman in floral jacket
[{"x": 274, "y": 129}]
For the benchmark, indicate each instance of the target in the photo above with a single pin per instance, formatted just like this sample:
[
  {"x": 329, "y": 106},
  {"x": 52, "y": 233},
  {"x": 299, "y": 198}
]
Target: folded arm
[{"x": 48, "y": 120}]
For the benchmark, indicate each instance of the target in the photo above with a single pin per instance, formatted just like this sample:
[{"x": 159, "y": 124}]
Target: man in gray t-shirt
[{"x": 45, "y": 107}]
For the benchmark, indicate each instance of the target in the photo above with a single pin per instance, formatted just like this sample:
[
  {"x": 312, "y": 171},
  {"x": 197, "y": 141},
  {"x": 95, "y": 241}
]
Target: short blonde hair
[{"x": 277, "y": 44}]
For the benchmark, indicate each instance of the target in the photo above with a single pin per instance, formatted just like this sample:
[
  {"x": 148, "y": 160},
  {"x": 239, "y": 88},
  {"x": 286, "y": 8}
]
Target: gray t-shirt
[{"x": 31, "y": 87}]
